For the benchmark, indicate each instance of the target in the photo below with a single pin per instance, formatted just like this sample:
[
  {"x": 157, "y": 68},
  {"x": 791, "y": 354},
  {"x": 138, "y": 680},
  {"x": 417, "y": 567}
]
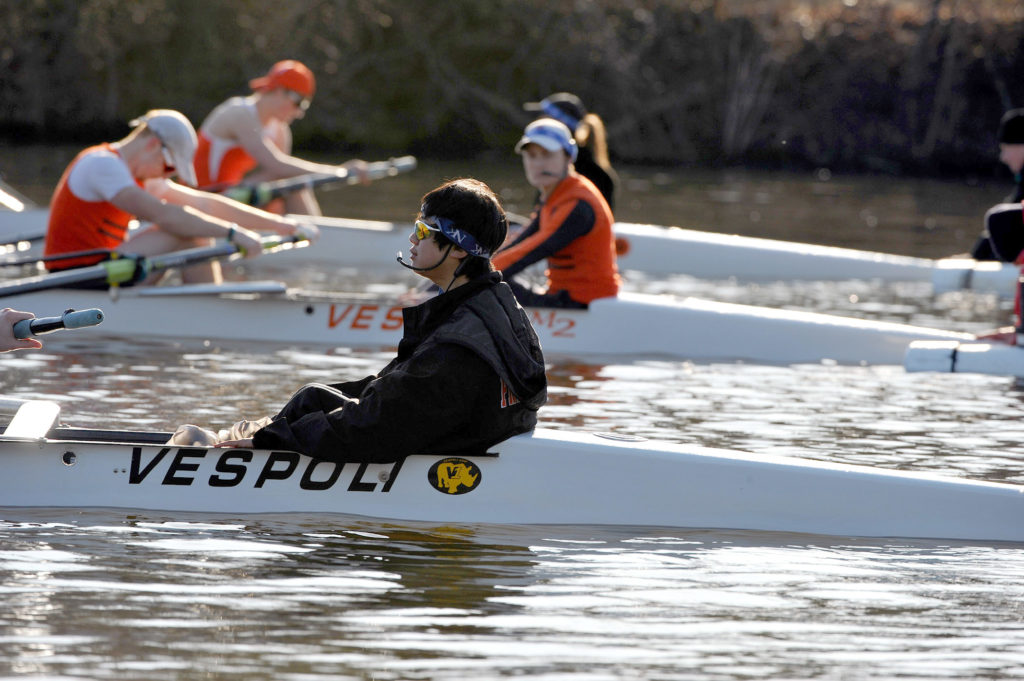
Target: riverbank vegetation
[{"x": 893, "y": 86}]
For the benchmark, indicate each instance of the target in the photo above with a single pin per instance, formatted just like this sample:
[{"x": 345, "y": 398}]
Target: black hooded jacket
[{"x": 469, "y": 373}]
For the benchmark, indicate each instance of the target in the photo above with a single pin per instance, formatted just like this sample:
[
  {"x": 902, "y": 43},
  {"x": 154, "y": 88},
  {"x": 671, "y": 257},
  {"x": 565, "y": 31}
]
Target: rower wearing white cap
[
  {"x": 108, "y": 185},
  {"x": 571, "y": 226}
]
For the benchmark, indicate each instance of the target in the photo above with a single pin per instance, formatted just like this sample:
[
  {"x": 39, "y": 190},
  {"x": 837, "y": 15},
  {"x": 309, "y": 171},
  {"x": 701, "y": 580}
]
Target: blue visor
[
  {"x": 459, "y": 237},
  {"x": 555, "y": 112}
]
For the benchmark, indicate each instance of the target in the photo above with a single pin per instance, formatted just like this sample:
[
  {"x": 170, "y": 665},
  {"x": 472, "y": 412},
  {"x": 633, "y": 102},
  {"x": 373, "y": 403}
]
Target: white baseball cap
[
  {"x": 550, "y": 134},
  {"x": 177, "y": 135}
]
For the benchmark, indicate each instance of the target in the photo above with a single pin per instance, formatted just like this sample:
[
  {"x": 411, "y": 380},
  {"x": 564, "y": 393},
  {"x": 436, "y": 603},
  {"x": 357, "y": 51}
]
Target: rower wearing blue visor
[
  {"x": 588, "y": 130},
  {"x": 570, "y": 227}
]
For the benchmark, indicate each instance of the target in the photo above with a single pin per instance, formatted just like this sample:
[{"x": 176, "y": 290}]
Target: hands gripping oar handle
[
  {"x": 131, "y": 268},
  {"x": 71, "y": 319},
  {"x": 127, "y": 269},
  {"x": 264, "y": 192}
]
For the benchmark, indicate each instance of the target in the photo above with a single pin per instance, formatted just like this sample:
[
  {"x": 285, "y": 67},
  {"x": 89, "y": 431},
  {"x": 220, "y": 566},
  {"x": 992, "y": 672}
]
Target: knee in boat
[{"x": 188, "y": 435}]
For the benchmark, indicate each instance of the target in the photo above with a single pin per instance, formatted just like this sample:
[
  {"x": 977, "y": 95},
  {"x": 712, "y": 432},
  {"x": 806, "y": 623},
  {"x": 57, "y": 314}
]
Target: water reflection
[{"x": 301, "y": 597}]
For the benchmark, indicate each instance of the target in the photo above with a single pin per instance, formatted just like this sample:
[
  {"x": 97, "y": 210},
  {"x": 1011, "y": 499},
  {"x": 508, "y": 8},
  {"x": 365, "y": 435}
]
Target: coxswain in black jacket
[{"x": 469, "y": 374}]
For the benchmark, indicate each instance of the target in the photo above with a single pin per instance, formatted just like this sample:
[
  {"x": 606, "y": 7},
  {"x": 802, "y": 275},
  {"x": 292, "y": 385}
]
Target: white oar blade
[{"x": 34, "y": 420}]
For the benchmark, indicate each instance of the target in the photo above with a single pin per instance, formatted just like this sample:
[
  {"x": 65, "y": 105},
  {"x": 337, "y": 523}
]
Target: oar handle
[
  {"x": 262, "y": 193},
  {"x": 223, "y": 249},
  {"x": 391, "y": 167},
  {"x": 69, "y": 320}
]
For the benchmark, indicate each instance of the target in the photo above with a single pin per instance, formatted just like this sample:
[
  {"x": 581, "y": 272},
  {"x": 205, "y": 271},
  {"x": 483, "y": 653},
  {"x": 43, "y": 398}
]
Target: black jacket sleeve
[{"x": 411, "y": 409}]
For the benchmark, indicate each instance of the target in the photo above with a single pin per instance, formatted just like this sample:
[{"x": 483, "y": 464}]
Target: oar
[
  {"x": 127, "y": 268},
  {"x": 262, "y": 193},
  {"x": 12, "y": 199},
  {"x": 69, "y": 320},
  {"x": 18, "y": 238},
  {"x": 31, "y": 260}
]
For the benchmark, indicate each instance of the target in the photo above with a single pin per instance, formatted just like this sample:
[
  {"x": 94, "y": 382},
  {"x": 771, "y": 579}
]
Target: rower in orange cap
[{"x": 250, "y": 137}]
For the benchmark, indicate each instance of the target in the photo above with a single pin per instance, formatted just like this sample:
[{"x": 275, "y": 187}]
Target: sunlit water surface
[{"x": 92, "y": 594}]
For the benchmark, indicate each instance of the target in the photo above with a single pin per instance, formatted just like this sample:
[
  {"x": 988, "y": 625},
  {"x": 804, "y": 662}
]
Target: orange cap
[{"x": 289, "y": 74}]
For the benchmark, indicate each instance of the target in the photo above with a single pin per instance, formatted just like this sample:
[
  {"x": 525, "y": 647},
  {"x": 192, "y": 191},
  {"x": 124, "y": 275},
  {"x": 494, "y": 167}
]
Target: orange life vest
[
  {"x": 234, "y": 165},
  {"x": 587, "y": 267},
  {"x": 77, "y": 225}
]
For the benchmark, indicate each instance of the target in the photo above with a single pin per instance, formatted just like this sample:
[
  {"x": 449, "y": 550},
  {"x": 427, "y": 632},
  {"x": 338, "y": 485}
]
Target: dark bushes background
[{"x": 883, "y": 85}]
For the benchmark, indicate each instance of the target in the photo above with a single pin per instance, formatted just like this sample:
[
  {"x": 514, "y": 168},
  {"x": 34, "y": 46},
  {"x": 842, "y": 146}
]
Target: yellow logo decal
[{"x": 454, "y": 476}]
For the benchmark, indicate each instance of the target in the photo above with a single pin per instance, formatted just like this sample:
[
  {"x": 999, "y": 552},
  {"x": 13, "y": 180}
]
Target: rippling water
[
  {"x": 144, "y": 595},
  {"x": 97, "y": 595}
]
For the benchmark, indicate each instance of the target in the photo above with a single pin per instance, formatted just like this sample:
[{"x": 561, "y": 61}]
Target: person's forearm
[
  {"x": 188, "y": 222},
  {"x": 281, "y": 166},
  {"x": 246, "y": 216}
]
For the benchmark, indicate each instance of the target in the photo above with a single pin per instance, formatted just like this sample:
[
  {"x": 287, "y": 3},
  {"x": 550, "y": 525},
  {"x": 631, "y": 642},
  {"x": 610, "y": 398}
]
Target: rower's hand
[
  {"x": 245, "y": 443},
  {"x": 247, "y": 241},
  {"x": 358, "y": 168},
  {"x": 307, "y": 230},
  {"x": 8, "y": 318}
]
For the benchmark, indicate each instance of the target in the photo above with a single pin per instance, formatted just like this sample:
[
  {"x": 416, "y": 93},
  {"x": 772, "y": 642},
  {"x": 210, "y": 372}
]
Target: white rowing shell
[
  {"x": 649, "y": 249},
  {"x": 629, "y": 325},
  {"x": 547, "y": 477}
]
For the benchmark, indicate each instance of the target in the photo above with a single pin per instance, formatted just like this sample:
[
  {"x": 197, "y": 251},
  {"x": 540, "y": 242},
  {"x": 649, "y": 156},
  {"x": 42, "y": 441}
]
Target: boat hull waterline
[
  {"x": 992, "y": 358},
  {"x": 546, "y": 477},
  {"x": 630, "y": 325}
]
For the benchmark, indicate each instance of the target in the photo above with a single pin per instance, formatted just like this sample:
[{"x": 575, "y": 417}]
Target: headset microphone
[
  {"x": 410, "y": 266},
  {"x": 401, "y": 262}
]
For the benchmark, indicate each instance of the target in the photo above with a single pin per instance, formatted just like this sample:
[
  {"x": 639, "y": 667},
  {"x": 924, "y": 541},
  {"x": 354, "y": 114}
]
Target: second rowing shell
[{"x": 629, "y": 325}]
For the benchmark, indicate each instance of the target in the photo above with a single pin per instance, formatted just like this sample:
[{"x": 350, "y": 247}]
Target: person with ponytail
[
  {"x": 588, "y": 130},
  {"x": 469, "y": 371}
]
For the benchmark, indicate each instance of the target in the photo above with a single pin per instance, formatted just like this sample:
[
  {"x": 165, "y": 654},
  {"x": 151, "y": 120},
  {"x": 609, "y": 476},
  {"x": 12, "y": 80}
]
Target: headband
[{"x": 460, "y": 237}]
